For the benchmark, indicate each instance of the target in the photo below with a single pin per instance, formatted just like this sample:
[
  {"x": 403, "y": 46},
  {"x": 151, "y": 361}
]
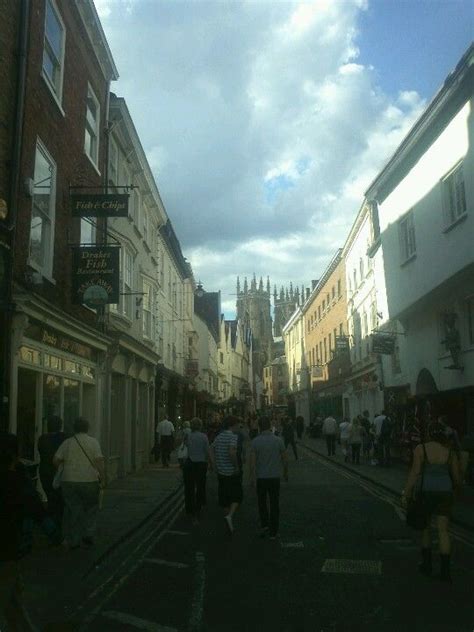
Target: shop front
[{"x": 55, "y": 370}]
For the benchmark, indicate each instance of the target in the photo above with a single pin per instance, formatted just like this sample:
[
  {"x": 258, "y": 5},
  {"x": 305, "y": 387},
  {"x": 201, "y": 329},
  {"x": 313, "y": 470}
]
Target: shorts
[{"x": 230, "y": 490}]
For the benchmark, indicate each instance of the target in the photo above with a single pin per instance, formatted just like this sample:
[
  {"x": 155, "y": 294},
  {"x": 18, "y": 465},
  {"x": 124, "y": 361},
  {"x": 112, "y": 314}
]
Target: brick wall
[
  {"x": 63, "y": 136},
  {"x": 10, "y": 19}
]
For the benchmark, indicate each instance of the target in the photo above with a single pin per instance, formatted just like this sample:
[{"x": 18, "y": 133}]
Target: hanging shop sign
[
  {"x": 95, "y": 275},
  {"x": 192, "y": 368},
  {"x": 383, "y": 343},
  {"x": 99, "y": 204}
]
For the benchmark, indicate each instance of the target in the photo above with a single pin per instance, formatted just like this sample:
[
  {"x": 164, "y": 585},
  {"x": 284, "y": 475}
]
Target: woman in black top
[{"x": 47, "y": 447}]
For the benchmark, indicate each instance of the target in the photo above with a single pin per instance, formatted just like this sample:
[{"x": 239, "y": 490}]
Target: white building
[
  {"x": 366, "y": 306},
  {"x": 425, "y": 227},
  {"x": 298, "y": 375}
]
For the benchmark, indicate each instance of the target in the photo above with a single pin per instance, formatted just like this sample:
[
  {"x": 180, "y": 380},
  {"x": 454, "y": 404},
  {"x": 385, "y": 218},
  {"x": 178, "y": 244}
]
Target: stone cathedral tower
[
  {"x": 285, "y": 304},
  {"x": 254, "y": 308}
]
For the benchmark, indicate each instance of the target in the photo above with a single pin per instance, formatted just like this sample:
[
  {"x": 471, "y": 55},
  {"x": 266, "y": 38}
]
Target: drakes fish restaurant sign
[
  {"x": 100, "y": 205},
  {"x": 95, "y": 275}
]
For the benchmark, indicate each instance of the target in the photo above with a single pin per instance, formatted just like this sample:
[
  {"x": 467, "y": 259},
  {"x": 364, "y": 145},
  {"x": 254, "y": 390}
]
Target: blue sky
[{"x": 264, "y": 122}]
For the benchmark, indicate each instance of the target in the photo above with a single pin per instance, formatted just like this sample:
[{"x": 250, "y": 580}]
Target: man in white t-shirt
[
  {"x": 344, "y": 429},
  {"x": 164, "y": 435},
  {"x": 329, "y": 432}
]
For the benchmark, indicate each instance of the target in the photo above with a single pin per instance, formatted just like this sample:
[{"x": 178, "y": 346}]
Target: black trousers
[
  {"x": 291, "y": 441},
  {"x": 331, "y": 444},
  {"x": 355, "y": 447},
  {"x": 194, "y": 476},
  {"x": 269, "y": 487},
  {"x": 166, "y": 447}
]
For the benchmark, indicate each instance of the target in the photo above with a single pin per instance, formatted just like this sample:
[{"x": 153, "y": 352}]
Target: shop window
[
  {"x": 72, "y": 367},
  {"x": 51, "y": 397},
  {"x": 29, "y": 355},
  {"x": 53, "y": 362}
]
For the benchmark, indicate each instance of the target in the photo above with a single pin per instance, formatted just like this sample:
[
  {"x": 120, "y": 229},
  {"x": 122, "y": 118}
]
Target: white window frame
[
  {"x": 113, "y": 147},
  {"x": 45, "y": 268},
  {"x": 127, "y": 283},
  {"x": 407, "y": 237},
  {"x": 454, "y": 208},
  {"x": 92, "y": 128},
  {"x": 55, "y": 88},
  {"x": 87, "y": 226},
  {"x": 136, "y": 203},
  {"x": 146, "y": 225},
  {"x": 148, "y": 310}
]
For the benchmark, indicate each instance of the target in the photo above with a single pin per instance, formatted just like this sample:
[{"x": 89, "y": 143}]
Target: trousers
[
  {"x": 194, "y": 477},
  {"x": 81, "y": 504},
  {"x": 269, "y": 487}
]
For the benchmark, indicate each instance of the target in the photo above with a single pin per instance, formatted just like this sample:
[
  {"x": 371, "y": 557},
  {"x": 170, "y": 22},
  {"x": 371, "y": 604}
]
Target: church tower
[
  {"x": 254, "y": 309},
  {"x": 285, "y": 302}
]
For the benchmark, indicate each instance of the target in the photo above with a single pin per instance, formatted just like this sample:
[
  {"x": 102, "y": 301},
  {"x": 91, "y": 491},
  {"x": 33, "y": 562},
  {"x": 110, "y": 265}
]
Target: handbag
[
  {"x": 101, "y": 491},
  {"x": 56, "y": 484},
  {"x": 417, "y": 514}
]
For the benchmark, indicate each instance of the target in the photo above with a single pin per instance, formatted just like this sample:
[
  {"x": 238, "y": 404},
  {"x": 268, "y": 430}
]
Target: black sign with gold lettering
[
  {"x": 99, "y": 205},
  {"x": 37, "y": 331},
  {"x": 95, "y": 275}
]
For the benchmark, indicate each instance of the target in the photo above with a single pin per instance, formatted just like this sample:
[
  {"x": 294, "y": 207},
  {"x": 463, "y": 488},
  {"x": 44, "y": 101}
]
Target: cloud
[{"x": 261, "y": 125}]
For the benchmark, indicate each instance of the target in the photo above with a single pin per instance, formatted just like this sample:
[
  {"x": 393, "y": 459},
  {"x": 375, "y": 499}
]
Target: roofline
[
  {"x": 355, "y": 228},
  {"x": 293, "y": 318},
  {"x": 87, "y": 9},
  {"x": 335, "y": 261},
  {"x": 444, "y": 94}
]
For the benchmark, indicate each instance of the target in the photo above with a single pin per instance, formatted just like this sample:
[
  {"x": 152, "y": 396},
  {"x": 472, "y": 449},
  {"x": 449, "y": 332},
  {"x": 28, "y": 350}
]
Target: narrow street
[{"x": 345, "y": 561}]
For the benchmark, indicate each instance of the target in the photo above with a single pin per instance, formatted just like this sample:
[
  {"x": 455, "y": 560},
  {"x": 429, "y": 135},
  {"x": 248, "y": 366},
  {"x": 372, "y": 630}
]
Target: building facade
[
  {"x": 423, "y": 223},
  {"x": 296, "y": 359},
  {"x": 275, "y": 382}
]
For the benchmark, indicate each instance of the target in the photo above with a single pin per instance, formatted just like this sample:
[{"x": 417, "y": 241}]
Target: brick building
[
  {"x": 325, "y": 339},
  {"x": 57, "y": 348}
]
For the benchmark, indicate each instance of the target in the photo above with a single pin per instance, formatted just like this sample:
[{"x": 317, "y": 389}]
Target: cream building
[{"x": 296, "y": 359}]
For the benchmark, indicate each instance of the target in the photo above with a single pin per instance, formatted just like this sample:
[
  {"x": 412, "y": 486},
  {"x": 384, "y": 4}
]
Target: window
[
  {"x": 333, "y": 292},
  {"x": 43, "y": 212},
  {"x": 470, "y": 319},
  {"x": 319, "y": 312},
  {"x": 135, "y": 207},
  {"x": 341, "y": 329},
  {"x": 374, "y": 316},
  {"x": 454, "y": 196},
  {"x": 406, "y": 231},
  {"x": 53, "y": 54},
  {"x": 113, "y": 162},
  {"x": 355, "y": 279},
  {"x": 324, "y": 306},
  {"x": 335, "y": 336},
  {"x": 329, "y": 344},
  {"x": 145, "y": 225},
  {"x": 349, "y": 284},
  {"x": 148, "y": 310},
  {"x": 325, "y": 350},
  {"x": 339, "y": 288},
  {"x": 321, "y": 351},
  {"x": 91, "y": 142},
  {"x": 361, "y": 268},
  {"x": 87, "y": 231},
  {"x": 128, "y": 282}
]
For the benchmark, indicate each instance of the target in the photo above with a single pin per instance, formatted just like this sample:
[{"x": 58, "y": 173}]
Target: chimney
[
  {"x": 314, "y": 283},
  {"x": 308, "y": 292}
]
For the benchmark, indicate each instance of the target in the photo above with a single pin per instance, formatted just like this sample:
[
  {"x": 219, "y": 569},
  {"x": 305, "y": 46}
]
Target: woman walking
[
  {"x": 195, "y": 470},
  {"x": 82, "y": 477},
  {"x": 434, "y": 474},
  {"x": 48, "y": 444},
  {"x": 356, "y": 436}
]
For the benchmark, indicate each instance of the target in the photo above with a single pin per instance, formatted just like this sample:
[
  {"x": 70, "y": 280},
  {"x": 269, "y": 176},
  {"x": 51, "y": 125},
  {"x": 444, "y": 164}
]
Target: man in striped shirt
[{"x": 224, "y": 451}]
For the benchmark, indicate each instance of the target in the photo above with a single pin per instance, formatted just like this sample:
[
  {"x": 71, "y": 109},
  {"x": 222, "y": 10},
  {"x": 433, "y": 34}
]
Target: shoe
[
  {"x": 88, "y": 541},
  {"x": 229, "y": 524}
]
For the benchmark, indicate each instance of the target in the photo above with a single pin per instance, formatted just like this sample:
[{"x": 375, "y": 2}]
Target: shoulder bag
[
  {"x": 417, "y": 515},
  {"x": 101, "y": 490}
]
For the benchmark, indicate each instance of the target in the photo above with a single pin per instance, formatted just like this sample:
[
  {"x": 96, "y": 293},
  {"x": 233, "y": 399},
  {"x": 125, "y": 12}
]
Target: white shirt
[
  {"x": 77, "y": 468},
  {"x": 345, "y": 430},
  {"x": 165, "y": 428},
  {"x": 329, "y": 426},
  {"x": 378, "y": 422}
]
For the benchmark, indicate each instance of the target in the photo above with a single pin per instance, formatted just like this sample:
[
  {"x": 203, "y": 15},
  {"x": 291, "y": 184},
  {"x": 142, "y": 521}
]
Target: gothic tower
[
  {"x": 254, "y": 309},
  {"x": 285, "y": 303}
]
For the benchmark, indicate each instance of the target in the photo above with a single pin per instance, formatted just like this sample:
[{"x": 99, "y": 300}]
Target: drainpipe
[{"x": 5, "y": 359}]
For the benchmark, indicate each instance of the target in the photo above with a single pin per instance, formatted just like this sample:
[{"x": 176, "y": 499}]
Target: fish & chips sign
[{"x": 99, "y": 205}]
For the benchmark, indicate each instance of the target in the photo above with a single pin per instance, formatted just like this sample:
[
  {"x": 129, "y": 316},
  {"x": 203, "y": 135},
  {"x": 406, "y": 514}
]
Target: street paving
[{"x": 345, "y": 562}]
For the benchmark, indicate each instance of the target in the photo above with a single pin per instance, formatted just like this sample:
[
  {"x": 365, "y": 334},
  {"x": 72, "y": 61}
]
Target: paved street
[{"x": 345, "y": 561}]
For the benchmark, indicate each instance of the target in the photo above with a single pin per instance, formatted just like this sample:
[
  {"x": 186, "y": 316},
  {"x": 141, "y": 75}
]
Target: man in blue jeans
[{"x": 268, "y": 460}]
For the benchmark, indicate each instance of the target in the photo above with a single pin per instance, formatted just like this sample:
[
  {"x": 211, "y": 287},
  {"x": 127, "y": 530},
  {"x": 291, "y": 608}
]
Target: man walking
[
  {"x": 225, "y": 459},
  {"x": 329, "y": 431},
  {"x": 383, "y": 433},
  {"x": 267, "y": 461},
  {"x": 165, "y": 434},
  {"x": 288, "y": 432}
]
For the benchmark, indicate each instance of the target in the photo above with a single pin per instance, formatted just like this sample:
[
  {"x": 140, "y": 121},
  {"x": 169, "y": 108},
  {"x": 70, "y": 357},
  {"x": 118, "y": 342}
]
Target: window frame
[
  {"x": 46, "y": 268},
  {"x": 94, "y": 159},
  {"x": 113, "y": 146},
  {"x": 448, "y": 212},
  {"x": 56, "y": 91},
  {"x": 408, "y": 220}
]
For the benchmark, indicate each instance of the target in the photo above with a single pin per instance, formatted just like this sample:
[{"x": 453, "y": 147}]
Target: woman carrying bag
[
  {"x": 429, "y": 491},
  {"x": 82, "y": 479}
]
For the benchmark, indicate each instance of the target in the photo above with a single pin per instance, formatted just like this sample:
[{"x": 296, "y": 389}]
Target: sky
[{"x": 264, "y": 122}]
